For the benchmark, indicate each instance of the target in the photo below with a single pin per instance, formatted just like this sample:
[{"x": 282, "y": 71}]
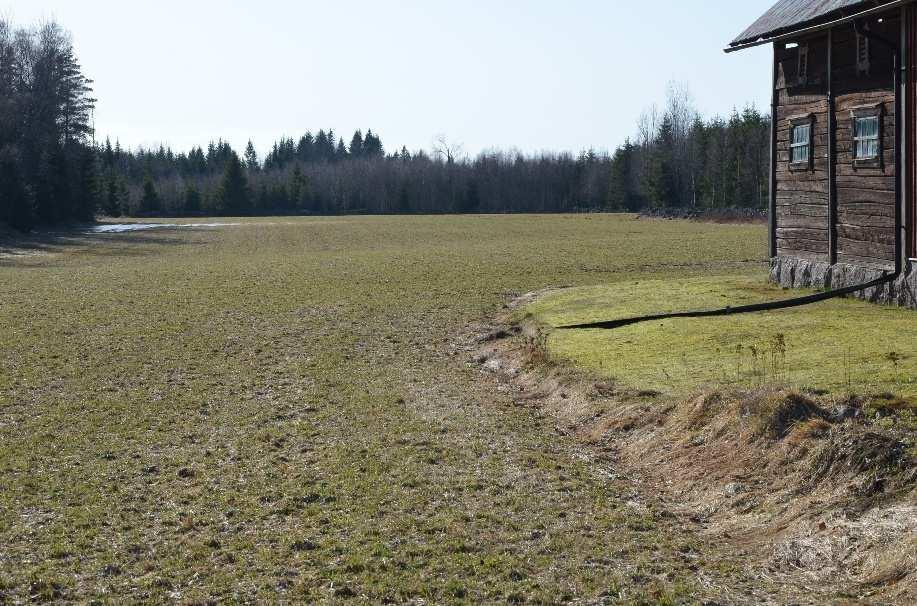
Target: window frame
[
  {"x": 795, "y": 122},
  {"x": 876, "y": 111}
]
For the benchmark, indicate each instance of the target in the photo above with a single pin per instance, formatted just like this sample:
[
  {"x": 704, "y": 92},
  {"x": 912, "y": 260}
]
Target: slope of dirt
[{"x": 820, "y": 493}]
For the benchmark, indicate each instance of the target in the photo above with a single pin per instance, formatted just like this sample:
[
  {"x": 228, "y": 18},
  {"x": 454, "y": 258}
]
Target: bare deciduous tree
[{"x": 449, "y": 151}]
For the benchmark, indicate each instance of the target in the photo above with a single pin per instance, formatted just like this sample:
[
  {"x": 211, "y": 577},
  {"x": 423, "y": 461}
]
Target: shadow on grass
[{"x": 17, "y": 249}]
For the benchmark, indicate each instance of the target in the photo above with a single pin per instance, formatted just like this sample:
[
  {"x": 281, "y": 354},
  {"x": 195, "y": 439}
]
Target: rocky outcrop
[{"x": 793, "y": 272}]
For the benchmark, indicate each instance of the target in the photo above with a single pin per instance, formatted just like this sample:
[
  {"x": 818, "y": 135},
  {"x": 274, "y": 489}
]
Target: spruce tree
[
  {"x": 111, "y": 205},
  {"x": 471, "y": 202},
  {"x": 622, "y": 196},
  {"x": 233, "y": 195},
  {"x": 305, "y": 149},
  {"x": 324, "y": 150},
  {"x": 251, "y": 158},
  {"x": 15, "y": 209},
  {"x": 86, "y": 184},
  {"x": 356, "y": 145},
  {"x": 149, "y": 198},
  {"x": 372, "y": 146},
  {"x": 659, "y": 181},
  {"x": 296, "y": 185},
  {"x": 192, "y": 200}
]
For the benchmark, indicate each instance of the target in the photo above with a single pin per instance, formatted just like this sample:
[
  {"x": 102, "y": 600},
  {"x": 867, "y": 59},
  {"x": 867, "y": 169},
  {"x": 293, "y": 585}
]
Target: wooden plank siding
[
  {"x": 865, "y": 196},
  {"x": 802, "y": 196},
  {"x": 861, "y": 200}
]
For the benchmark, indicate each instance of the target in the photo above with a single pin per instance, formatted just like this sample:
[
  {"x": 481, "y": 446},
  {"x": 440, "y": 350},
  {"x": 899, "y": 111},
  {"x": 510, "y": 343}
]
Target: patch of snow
[
  {"x": 493, "y": 366},
  {"x": 119, "y": 228}
]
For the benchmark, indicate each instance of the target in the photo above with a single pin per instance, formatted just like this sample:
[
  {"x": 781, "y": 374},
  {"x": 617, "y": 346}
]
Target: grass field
[
  {"x": 273, "y": 411},
  {"x": 842, "y": 346}
]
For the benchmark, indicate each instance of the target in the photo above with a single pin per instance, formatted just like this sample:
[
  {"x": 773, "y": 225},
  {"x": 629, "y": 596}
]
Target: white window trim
[
  {"x": 807, "y": 120},
  {"x": 876, "y": 110},
  {"x": 862, "y": 139}
]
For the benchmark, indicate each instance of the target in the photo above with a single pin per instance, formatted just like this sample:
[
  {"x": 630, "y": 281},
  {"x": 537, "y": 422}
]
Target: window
[
  {"x": 862, "y": 55},
  {"x": 802, "y": 67},
  {"x": 801, "y": 142},
  {"x": 867, "y": 135},
  {"x": 866, "y": 138}
]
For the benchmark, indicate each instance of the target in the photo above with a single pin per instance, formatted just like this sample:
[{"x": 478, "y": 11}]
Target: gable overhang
[{"x": 789, "y": 34}]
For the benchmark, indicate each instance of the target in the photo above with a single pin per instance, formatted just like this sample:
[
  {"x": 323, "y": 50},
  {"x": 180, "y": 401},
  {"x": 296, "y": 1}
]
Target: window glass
[
  {"x": 800, "y": 144},
  {"x": 866, "y": 137}
]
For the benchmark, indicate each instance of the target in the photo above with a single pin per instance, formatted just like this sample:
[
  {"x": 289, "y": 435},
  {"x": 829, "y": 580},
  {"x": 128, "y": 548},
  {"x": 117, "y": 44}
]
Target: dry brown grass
[{"x": 813, "y": 489}]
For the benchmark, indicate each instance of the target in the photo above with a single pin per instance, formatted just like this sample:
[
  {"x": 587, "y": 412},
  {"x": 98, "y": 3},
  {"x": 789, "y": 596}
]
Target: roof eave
[{"x": 803, "y": 29}]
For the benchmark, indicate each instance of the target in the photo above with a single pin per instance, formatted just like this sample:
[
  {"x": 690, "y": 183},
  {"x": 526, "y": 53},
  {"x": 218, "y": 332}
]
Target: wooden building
[{"x": 844, "y": 143}]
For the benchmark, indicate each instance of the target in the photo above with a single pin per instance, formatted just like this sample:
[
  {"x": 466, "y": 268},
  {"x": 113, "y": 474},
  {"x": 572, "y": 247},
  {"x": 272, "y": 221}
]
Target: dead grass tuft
[
  {"x": 894, "y": 565},
  {"x": 877, "y": 459},
  {"x": 699, "y": 411},
  {"x": 536, "y": 347},
  {"x": 772, "y": 415},
  {"x": 806, "y": 431}
]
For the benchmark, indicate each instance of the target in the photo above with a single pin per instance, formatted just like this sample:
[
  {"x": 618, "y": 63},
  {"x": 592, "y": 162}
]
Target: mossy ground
[
  {"x": 840, "y": 346},
  {"x": 270, "y": 412}
]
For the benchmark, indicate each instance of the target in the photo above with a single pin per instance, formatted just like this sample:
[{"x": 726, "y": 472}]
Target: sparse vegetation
[{"x": 270, "y": 411}]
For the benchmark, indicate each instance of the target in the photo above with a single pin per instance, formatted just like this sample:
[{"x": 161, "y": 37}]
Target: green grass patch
[{"x": 837, "y": 346}]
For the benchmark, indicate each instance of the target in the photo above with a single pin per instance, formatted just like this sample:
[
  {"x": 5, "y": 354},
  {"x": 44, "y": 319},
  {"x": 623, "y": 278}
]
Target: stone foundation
[{"x": 793, "y": 272}]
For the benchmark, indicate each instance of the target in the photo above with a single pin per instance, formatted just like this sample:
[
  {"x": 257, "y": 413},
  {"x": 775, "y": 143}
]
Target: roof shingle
[{"x": 789, "y": 15}]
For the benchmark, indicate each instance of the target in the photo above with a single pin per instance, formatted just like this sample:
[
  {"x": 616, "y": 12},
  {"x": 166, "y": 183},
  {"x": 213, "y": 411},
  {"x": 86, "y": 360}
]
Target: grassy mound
[{"x": 836, "y": 346}]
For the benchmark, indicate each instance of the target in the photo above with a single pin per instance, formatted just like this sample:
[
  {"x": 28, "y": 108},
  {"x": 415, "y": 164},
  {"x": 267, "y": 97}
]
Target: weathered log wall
[
  {"x": 802, "y": 195},
  {"x": 865, "y": 196},
  {"x": 861, "y": 199}
]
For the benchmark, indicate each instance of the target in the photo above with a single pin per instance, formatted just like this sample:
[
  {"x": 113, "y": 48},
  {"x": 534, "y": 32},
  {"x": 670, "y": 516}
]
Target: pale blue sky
[{"x": 535, "y": 75}]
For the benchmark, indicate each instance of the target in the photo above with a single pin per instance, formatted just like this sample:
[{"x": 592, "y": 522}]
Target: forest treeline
[
  {"x": 48, "y": 168},
  {"x": 51, "y": 169}
]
